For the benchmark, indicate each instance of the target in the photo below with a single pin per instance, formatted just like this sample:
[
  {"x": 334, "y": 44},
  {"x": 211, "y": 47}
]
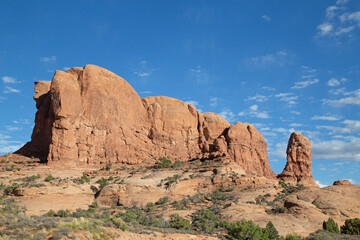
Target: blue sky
[{"x": 283, "y": 66}]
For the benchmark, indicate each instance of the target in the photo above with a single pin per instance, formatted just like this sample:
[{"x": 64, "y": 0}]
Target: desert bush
[
  {"x": 273, "y": 233},
  {"x": 293, "y": 237},
  {"x": 119, "y": 223},
  {"x": 150, "y": 207},
  {"x": 163, "y": 163},
  {"x": 351, "y": 227},
  {"x": 63, "y": 213},
  {"x": 171, "y": 180},
  {"x": 316, "y": 204},
  {"x": 177, "y": 164},
  {"x": 39, "y": 236},
  {"x": 61, "y": 233},
  {"x": 219, "y": 196},
  {"x": 331, "y": 226},
  {"x": 103, "y": 182},
  {"x": 178, "y": 222},
  {"x": 247, "y": 230},
  {"x": 49, "y": 178},
  {"x": 205, "y": 220},
  {"x": 108, "y": 166},
  {"x": 163, "y": 201}
]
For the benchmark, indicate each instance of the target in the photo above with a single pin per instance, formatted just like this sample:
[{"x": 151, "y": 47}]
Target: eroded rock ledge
[{"x": 91, "y": 116}]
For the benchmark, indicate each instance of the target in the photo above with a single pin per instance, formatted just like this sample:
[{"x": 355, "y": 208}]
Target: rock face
[
  {"x": 341, "y": 182},
  {"x": 298, "y": 166},
  {"x": 91, "y": 116}
]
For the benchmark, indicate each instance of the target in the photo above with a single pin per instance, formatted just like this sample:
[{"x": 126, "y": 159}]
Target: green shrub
[
  {"x": 163, "y": 163},
  {"x": 63, "y": 213},
  {"x": 50, "y": 213},
  {"x": 49, "y": 178},
  {"x": 178, "y": 222},
  {"x": 316, "y": 204},
  {"x": 219, "y": 196},
  {"x": 205, "y": 220},
  {"x": 119, "y": 223},
  {"x": 352, "y": 227},
  {"x": 163, "y": 201},
  {"x": 293, "y": 237},
  {"x": 108, "y": 166},
  {"x": 247, "y": 230},
  {"x": 84, "y": 179},
  {"x": 103, "y": 182},
  {"x": 177, "y": 164},
  {"x": 331, "y": 226},
  {"x": 150, "y": 207},
  {"x": 273, "y": 233}
]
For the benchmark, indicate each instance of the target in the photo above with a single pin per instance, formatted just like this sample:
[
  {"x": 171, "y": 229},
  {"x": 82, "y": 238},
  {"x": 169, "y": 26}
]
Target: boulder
[
  {"x": 341, "y": 182},
  {"x": 298, "y": 165},
  {"x": 247, "y": 147}
]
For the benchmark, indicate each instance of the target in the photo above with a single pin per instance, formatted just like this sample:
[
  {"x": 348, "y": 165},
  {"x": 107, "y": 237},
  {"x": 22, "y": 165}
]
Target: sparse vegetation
[
  {"x": 331, "y": 226},
  {"x": 351, "y": 227},
  {"x": 179, "y": 222}
]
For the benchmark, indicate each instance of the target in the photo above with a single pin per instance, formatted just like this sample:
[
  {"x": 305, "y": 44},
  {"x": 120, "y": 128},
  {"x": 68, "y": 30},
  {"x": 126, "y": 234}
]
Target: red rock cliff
[{"x": 92, "y": 116}]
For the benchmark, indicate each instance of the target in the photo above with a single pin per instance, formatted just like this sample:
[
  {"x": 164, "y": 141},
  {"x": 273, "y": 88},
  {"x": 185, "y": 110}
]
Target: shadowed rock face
[
  {"x": 298, "y": 166},
  {"x": 92, "y": 116}
]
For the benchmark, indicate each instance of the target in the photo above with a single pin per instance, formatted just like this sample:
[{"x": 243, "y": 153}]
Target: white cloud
[
  {"x": 197, "y": 69},
  {"x": 279, "y": 58},
  {"x": 143, "y": 71},
  {"x": 266, "y": 18},
  {"x": 145, "y": 92},
  {"x": 326, "y": 118},
  {"x": 279, "y": 151},
  {"x": 10, "y": 148},
  {"x": 325, "y": 28},
  {"x": 337, "y": 150},
  {"x": 352, "y": 181},
  {"x": 268, "y": 88},
  {"x": 7, "y": 145},
  {"x": 22, "y": 121},
  {"x": 337, "y": 91},
  {"x": 48, "y": 59},
  {"x": 13, "y": 128},
  {"x": 258, "y": 98},
  {"x": 304, "y": 84},
  {"x": 200, "y": 75},
  {"x": 287, "y": 97},
  {"x": 295, "y": 112},
  {"x": 7, "y": 79},
  {"x": 228, "y": 115},
  {"x": 339, "y": 2},
  {"x": 253, "y": 111},
  {"x": 353, "y": 99},
  {"x": 11, "y": 90},
  {"x": 333, "y": 82},
  {"x": 195, "y": 103},
  {"x": 296, "y": 124},
  {"x": 339, "y": 21},
  {"x": 330, "y": 11},
  {"x": 352, "y": 124},
  {"x": 214, "y": 101},
  {"x": 320, "y": 184}
]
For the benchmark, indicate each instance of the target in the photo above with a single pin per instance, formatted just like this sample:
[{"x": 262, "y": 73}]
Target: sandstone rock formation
[
  {"x": 341, "y": 182},
  {"x": 298, "y": 166},
  {"x": 91, "y": 116}
]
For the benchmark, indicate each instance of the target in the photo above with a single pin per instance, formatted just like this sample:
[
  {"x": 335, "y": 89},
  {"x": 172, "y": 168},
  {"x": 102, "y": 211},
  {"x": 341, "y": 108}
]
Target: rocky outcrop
[
  {"x": 91, "y": 116},
  {"x": 341, "y": 182},
  {"x": 298, "y": 165}
]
